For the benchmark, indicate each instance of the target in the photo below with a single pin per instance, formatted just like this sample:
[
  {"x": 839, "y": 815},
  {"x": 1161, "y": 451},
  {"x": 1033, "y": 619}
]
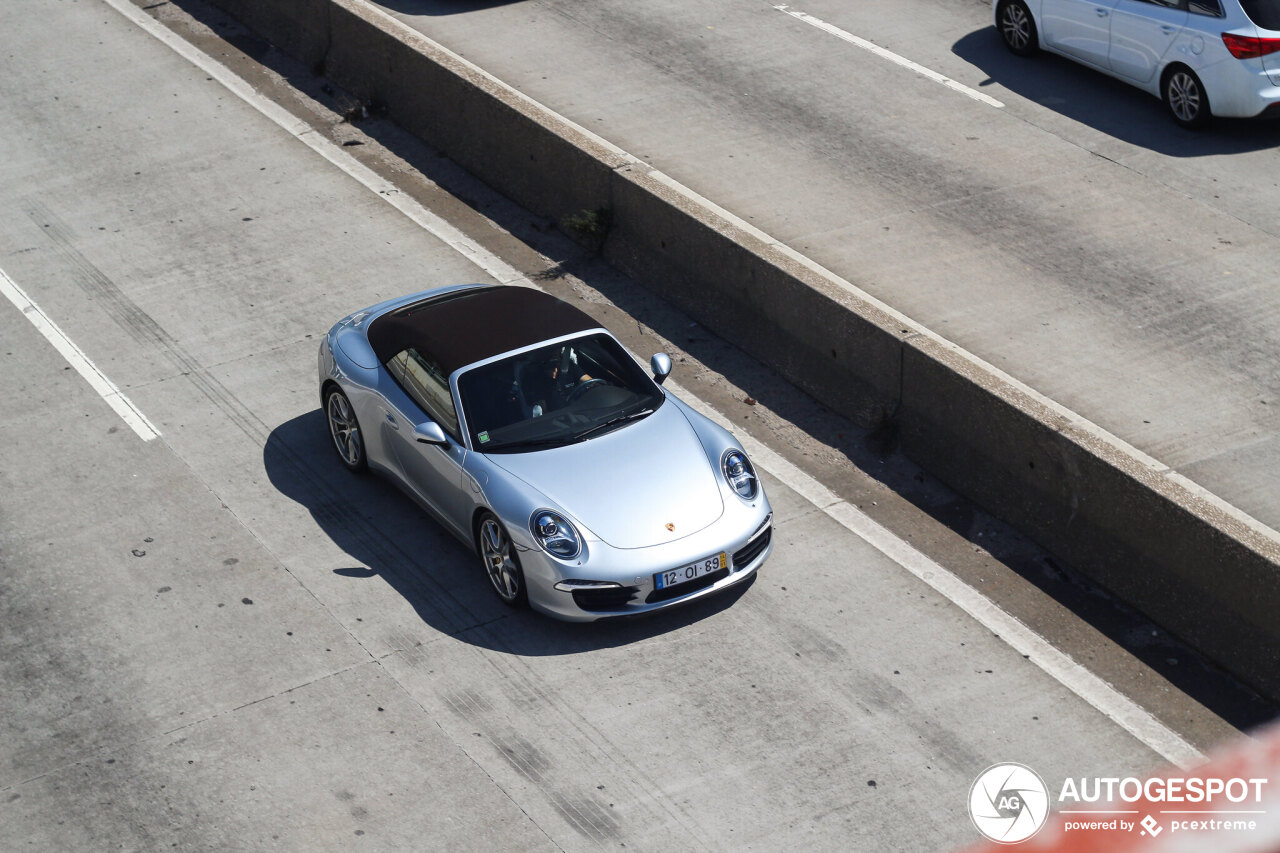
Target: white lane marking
[
  {"x": 1093, "y": 690},
  {"x": 891, "y": 56},
  {"x": 97, "y": 380}
]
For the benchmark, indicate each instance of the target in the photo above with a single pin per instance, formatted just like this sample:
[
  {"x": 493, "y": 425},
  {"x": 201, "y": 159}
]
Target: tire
[
  {"x": 344, "y": 429},
  {"x": 1185, "y": 97},
  {"x": 1017, "y": 28},
  {"x": 501, "y": 565}
]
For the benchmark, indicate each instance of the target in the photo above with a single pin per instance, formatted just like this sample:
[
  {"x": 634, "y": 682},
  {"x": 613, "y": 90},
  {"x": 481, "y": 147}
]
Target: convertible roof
[{"x": 462, "y": 327}]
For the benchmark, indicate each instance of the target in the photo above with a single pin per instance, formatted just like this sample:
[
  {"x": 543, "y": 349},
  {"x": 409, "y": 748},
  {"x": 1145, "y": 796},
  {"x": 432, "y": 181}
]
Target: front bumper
[{"x": 746, "y": 536}]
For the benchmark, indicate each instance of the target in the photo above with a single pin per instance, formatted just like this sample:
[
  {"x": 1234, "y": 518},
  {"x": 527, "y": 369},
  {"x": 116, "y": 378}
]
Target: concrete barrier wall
[
  {"x": 1201, "y": 569},
  {"x": 1194, "y": 565},
  {"x": 733, "y": 279}
]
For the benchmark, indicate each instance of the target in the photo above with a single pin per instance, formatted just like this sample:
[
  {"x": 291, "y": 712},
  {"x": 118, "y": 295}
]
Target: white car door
[
  {"x": 1079, "y": 28},
  {"x": 1142, "y": 31}
]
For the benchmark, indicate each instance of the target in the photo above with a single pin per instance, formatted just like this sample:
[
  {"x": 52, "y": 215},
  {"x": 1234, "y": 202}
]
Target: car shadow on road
[
  {"x": 1106, "y": 104},
  {"x": 385, "y": 534}
]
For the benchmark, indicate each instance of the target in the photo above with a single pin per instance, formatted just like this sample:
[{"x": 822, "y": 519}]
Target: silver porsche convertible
[{"x": 529, "y": 432}]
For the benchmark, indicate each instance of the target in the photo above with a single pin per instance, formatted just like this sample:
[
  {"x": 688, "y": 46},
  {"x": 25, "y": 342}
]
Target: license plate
[{"x": 693, "y": 571}]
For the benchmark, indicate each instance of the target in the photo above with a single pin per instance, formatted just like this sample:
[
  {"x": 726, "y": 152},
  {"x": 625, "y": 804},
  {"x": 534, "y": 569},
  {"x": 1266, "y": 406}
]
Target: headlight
[
  {"x": 738, "y": 471},
  {"x": 555, "y": 535}
]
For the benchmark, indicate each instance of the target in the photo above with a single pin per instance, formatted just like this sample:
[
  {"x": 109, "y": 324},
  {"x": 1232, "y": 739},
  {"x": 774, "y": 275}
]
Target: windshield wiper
[
  {"x": 528, "y": 442},
  {"x": 611, "y": 422}
]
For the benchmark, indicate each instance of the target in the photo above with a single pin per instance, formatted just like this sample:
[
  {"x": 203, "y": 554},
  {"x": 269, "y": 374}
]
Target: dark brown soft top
[{"x": 463, "y": 327}]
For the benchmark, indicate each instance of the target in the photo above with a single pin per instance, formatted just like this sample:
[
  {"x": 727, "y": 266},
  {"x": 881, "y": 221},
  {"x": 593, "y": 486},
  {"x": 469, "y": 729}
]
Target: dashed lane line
[{"x": 881, "y": 52}]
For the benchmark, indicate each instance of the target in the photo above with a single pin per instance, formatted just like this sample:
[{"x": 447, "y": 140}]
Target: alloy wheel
[
  {"x": 1184, "y": 96},
  {"x": 495, "y": 548},
  {"x": 1015, "y": 26},
  {"x": 345, "y": 430}
]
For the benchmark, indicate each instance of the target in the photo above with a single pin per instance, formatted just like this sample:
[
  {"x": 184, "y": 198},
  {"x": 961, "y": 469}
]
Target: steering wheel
[{"x": 582, "y": 387}]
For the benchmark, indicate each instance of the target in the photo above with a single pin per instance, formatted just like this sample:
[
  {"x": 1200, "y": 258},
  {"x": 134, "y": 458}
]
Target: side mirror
[
  {"x": 661, "y": 366},
  {"x": 429, "y": 433}
]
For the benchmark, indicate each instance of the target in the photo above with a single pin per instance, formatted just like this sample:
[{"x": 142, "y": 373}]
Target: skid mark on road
[
  {"x": 591, "y": 819},
  {"x": 130, "y": 317},
  {"x": 331, "y": 506},
  {"x": 586, "y": 816},
  {"x": 97, "y": 380},
  {"x": 583, "y": 751}
]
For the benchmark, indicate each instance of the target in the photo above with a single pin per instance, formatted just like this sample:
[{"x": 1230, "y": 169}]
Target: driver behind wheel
[{"x": 548, "y": 383}]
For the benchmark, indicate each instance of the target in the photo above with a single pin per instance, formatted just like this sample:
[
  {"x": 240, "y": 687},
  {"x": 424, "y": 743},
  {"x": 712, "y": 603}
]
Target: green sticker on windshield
[{"x": 484, "y": 436}]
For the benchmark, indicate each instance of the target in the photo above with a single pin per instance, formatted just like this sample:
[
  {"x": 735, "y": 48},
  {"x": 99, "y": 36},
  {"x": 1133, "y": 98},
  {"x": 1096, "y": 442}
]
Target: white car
[{"x": 1204, "y": 58}]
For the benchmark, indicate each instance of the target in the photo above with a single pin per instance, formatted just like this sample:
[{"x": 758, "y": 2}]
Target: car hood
[{"x": 644, "y": 484}]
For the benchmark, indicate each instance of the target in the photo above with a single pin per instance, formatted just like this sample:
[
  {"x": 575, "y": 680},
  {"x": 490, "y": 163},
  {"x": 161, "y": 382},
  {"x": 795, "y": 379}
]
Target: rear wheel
[
  {"x": 345, "y": 430},
  {"x": 1017, "y": 28},
  {"x": 500, "y": 562},
  {"x": 1185, "y": 97}
]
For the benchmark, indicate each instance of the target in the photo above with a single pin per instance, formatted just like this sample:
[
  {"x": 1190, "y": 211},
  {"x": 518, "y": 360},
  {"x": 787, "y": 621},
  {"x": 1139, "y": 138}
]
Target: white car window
[
  {"x": 1264, "y": 13},
  {"x": 1211, "y": 8}
]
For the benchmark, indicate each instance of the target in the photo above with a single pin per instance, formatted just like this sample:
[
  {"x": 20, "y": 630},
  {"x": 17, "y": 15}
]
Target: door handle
[
  {"x": 1102, "y": 13},
  {"x": 391, "y": 421},
  {"x": 1167, "y": 29}
]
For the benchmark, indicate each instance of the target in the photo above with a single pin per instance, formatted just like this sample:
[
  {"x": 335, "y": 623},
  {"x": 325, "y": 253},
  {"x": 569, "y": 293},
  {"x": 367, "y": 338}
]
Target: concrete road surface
[{"x": 212, "y": 637}]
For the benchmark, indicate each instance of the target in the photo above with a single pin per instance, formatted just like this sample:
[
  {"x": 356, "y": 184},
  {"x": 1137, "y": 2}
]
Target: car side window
[
  {"x": 1168, "y": 4},
  {"x": 422, "y": 380},
  {"x": 1212, "y": 8}
]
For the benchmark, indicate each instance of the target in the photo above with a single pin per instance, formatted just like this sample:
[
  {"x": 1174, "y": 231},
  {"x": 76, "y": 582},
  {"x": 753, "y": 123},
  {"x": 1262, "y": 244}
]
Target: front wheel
[
  {"x": 345, "y": 431},
  {"x": 1186, "y": 99},
  {"x": 500, "y": 562},
  {"x": 1017, "y": 28}
]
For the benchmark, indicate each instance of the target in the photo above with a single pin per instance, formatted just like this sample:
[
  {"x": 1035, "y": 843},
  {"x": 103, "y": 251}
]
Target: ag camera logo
[{"x": 1008, "y": 803}]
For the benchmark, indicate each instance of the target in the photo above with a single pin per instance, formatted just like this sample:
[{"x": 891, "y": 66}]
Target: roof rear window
[{"x": 1264, "y": 13}]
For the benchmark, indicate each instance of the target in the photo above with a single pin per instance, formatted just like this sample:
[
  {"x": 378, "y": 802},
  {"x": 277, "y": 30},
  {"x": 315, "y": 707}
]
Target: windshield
[
  {"x": 555, "y": 395},
  {"x": 1264, "y": 13}
]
